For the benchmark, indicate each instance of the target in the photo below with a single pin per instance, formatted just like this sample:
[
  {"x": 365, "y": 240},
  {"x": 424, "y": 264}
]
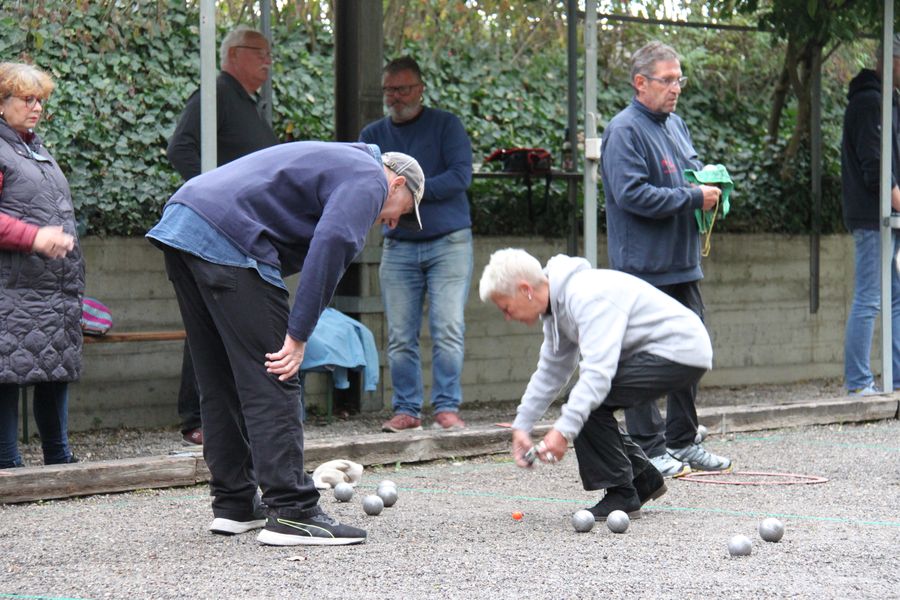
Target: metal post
[
  {"x": 591, "y": 141},
  {"x": 887, "y": 262},
  {"x": 265, "y": 26},
  {"x": 572, "y": 123},
  {"x": 815, "y": 142},
  {"x": 208, "y": 159}
]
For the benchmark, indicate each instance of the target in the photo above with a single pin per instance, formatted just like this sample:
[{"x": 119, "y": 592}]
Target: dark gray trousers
[
  {"x": 188, "y": 394},
  {"x": 252, "y": 432},
  {"x": 644, "y": 423},
  {"x": 607, "y": 457}
]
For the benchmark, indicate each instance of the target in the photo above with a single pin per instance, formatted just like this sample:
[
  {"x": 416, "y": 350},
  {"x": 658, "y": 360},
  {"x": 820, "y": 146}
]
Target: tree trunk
[
  {"x": 779, "y": 99},
  {"x": 800, "y": 67}
]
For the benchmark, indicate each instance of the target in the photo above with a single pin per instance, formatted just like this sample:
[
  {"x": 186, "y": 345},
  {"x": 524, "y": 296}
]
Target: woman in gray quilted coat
[{"x": 41, "y": 272}]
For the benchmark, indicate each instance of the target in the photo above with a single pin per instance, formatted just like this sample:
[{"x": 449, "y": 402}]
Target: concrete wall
[{"x": 756, "y": 291}]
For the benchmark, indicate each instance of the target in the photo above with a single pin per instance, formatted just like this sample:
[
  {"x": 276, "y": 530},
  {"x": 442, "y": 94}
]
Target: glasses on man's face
[
  {"x": 261, "y": 53},
  {"x": 399, "y": 90},
  {"x": 31, "y": 101},
  {"x": 669, "y": 81}
]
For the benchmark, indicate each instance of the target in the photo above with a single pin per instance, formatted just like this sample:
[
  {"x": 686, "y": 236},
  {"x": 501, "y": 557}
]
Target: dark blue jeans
[
  {"x": 51, "y": 413},
  {"x": 411, "y": 271},
  {"x": 866, "y": 307}
]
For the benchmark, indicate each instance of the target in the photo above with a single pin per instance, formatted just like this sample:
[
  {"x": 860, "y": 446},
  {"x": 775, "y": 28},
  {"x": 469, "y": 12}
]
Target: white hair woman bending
[{"x": 631, "y": 343}]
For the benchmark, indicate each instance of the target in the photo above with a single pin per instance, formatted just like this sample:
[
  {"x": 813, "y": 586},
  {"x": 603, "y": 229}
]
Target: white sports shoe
[
  {"x": 668, "y": 466},
  {"x": 701, "y": 459},
  {"x": 230, "y": 527}
]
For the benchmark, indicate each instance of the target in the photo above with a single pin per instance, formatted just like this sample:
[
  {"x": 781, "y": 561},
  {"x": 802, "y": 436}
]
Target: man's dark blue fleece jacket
[
  {"x": 651, "y": 229},
  {"x": 299, "y": 206}
]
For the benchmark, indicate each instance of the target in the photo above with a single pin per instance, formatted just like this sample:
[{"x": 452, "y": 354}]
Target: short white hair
[
  {"x": 506, "y": 269},
  {"x": 237, "y": 37}
]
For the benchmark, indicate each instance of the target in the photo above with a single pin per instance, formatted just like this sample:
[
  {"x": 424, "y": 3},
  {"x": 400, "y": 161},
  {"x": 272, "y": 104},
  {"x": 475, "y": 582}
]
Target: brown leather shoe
[
  {"x": 447, "y": 420},
  {"x": 400, "y": 422}
]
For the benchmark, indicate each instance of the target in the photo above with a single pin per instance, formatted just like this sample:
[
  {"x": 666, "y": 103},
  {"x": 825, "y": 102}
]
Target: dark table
[{"x": 572, "y": 180}]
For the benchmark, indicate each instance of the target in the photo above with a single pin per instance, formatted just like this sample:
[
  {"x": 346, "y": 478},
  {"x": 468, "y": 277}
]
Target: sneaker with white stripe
[{"x": 317, "y": 530}]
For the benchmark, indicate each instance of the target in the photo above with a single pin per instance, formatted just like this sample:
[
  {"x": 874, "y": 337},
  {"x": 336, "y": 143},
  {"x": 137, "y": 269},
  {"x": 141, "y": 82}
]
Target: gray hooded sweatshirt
[{"x": 601, "y": 318}]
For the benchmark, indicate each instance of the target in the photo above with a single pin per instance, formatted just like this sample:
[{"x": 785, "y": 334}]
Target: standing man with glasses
[
  {"x": 652, "y": 234},
  {"x": 435, "y": 262},
  {"x": 240, "y": 129}
]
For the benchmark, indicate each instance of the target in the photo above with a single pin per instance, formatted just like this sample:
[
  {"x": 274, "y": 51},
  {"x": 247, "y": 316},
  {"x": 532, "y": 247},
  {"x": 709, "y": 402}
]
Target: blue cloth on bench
[{"x": 338, "y": 344}]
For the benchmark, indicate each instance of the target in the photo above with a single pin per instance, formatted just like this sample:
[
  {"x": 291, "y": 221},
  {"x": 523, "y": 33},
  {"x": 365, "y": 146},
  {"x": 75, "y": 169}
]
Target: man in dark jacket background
[
  {"x": 240, "y": 129},
  {"x": 653, "y": 235},
  {"x": 860, "y": 179}
]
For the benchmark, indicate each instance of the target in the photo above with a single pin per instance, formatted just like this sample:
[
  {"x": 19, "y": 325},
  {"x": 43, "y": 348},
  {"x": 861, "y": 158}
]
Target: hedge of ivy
[{"x": 123, "y": 76}]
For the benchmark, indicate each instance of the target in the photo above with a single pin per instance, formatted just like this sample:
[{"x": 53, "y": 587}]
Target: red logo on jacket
[{"x": 668, "y": 166}]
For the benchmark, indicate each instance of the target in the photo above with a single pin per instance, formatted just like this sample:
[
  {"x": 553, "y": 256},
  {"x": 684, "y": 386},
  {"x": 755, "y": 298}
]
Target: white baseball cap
[{"x": 406, "y": 165}]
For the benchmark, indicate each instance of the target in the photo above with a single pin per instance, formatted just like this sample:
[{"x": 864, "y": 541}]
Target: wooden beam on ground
[
  {"x": 103, "y": 477},
  {"x": 100, "y": 477}
]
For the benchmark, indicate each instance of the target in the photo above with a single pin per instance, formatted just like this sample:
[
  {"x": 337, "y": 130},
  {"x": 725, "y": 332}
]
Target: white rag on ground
[{"x": 329, "y": 474}]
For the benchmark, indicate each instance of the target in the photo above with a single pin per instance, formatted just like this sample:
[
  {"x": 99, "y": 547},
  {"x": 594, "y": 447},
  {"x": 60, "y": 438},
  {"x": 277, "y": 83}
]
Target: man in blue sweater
[
  {"x": 860, "y": 179},
  {"x": 435, "y": 262},
  {"x": 652, "y": 234},
  {"x": 229, "y": 237}
]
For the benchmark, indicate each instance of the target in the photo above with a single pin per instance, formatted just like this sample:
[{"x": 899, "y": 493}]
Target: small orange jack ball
[{"x": 517, "y": 515}]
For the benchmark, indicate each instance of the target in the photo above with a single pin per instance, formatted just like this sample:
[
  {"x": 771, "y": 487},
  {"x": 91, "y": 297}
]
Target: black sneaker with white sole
[{"x": 317, "y": 530}]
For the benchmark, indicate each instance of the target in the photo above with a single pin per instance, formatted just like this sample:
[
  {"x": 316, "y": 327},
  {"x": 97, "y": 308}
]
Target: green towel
[{"x": 711, "y": 175}]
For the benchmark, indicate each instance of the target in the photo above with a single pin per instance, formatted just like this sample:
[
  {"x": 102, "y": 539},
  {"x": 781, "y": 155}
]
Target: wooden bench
[
  {"x": 147, "y": 336},
  {"x": 109, "y": 338},
  {"x": 135, "y": 336}
]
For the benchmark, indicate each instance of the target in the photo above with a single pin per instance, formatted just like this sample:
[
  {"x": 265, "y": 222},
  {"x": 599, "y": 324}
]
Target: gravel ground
[
  {"x": 109, "y": 444},
  {"x": 451, "y": 535}
]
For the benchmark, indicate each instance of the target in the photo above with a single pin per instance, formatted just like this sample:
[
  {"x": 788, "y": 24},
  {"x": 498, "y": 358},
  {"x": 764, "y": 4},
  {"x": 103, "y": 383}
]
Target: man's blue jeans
[
  {"x": 51, "y": 404},
  {"x": 865, "y": 308},
  {"x": 441, "y": 270}
]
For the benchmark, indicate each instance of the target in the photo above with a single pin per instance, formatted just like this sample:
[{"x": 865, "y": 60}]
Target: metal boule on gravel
[
  {"x": 702, "y": 432},
  {"x": 583, "y": 520},
  {"x": 771, "y": 529},
  {"x": 343, "y": 492},
  {"x": 388, "y": 495},
  {"x": 618, "y": 521},
  {"x": 373, "y": 505},
  {"x": 386, "y": 483},
  {"x": 739, "y": 545}
]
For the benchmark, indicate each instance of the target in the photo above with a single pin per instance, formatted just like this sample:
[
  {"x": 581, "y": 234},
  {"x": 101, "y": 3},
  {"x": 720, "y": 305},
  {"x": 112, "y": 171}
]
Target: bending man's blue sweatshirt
[
  {"x": 438, "y": 141},
  {"x": 300, "y": 207}
]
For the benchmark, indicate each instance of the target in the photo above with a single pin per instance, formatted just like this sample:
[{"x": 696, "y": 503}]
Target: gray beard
[{"x": 406, "y": 113}]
